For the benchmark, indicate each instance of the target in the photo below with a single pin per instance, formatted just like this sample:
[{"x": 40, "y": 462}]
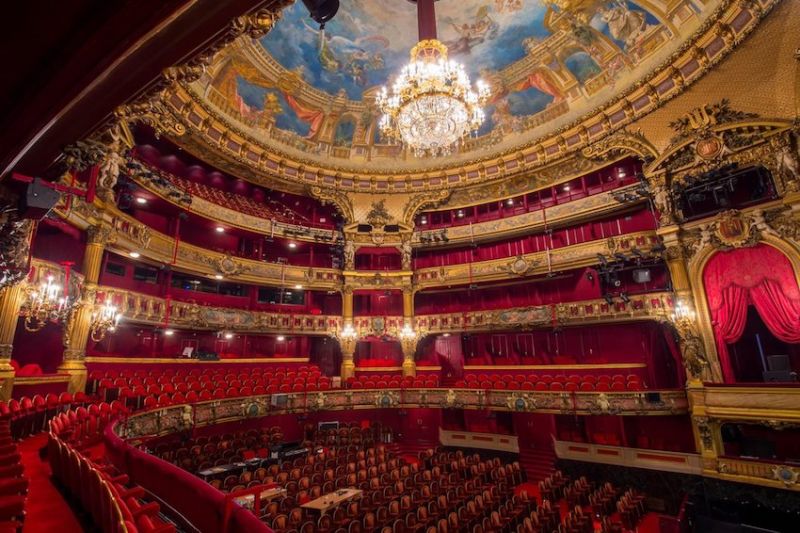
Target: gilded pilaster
[
  {"x": 409, "y": 342},
  {"x": 76, "y": 330},
  {"x": 11, "y": 298},
  {"x": 348, "y": 346}
]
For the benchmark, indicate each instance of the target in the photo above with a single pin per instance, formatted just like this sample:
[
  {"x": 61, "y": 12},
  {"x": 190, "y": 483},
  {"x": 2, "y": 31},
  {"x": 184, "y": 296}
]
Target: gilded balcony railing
[{"x": 174, "y": 418}]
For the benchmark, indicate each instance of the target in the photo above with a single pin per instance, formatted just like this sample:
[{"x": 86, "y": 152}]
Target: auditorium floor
[{"x": 46, "y": 508}]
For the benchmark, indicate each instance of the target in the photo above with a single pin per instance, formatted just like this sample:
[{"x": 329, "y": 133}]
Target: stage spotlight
[
  {"x": 624, "y": 297},
  {"x": 609, "y": 299}
]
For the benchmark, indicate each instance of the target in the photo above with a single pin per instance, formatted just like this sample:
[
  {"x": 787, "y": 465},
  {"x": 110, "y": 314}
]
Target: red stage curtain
[
  {"x": 760, "y": 276},
  {"x": 314, "y": 117}
]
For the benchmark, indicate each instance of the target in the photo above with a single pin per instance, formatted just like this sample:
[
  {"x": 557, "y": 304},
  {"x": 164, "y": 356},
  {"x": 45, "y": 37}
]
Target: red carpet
[{"x": 46, "y": 508}]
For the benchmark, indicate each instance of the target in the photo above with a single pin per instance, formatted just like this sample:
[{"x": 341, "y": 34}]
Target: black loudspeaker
[
  {"x": 38, "y": 200},
  {"x": 653, "y": 397},
  {"x": 364, "y": 228},
  {"x": 391, "y": 228}
]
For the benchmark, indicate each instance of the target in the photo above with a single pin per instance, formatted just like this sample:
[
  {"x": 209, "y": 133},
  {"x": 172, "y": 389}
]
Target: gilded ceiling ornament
[
  {"x": 703, "y": 118},
  {"x": 378, "y": 215}
]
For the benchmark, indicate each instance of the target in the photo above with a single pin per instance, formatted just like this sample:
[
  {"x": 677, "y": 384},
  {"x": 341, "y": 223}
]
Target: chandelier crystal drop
[{"x": 432, "y": 105}]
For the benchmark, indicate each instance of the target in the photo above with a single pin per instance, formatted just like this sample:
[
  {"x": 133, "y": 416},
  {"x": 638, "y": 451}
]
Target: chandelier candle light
[
  {"x": 432, "y": 105},
  {"x": 45, "y": 304},
  {"x": 104, "y": 321}
]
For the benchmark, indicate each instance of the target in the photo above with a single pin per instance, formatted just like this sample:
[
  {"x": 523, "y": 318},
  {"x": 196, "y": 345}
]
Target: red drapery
[
  {"x": 314, "y": 117},
  {"x": 543, "y": 82},
  {"x": 760, "y": 276}
]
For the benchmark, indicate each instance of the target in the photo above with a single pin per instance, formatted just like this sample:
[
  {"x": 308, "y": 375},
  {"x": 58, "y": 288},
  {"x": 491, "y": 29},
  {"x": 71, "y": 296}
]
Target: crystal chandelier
[
  {"x": 432, "y": 105},
  {"x": 104, "y": 321},
  {"x": 45, "y": 304}
]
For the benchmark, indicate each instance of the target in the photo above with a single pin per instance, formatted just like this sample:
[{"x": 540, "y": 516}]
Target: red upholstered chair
[
  {"x": 618, "y": 377},
  {"x": 633, "y": 385},
  {"x": 556, "y": 386},
  {"x": 602, "y": 386},
  {"x": 527, "y": 385},
  {"x": 512, "y": 385},
  {"x": 540, "y": 386},
  {"x": 546, "y": 378},
  {"x": 617, "y": 385},
  {"x": 586, "y": 386},
  {"x": 570, "y": 386}
]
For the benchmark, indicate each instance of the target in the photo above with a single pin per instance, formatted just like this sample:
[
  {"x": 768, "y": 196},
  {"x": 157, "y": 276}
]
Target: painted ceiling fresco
[{"x": 545, "y": 60}]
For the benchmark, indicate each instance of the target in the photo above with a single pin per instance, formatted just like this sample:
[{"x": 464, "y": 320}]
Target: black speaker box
[{"x": 38, "y": 200}]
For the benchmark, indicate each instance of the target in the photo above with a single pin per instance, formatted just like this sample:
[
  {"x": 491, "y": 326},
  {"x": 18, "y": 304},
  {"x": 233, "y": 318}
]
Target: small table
[
  {"x": 232, "y": 468},
  {"x": 326, "y": 502},
  {"x": 247, "y": 501}
]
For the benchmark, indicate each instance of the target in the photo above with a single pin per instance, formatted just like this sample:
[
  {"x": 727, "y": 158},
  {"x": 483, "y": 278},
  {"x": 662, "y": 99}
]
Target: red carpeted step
[
  {"x": 46, "y": 508},
  {"x": 538, "y": 464}
]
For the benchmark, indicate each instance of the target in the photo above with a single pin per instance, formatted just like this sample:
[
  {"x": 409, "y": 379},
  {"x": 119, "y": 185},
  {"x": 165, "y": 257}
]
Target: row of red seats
[
  {"x": 237, "y": 202},
  {"x": 392, "y": 381},
  {"x": 113, "y": 505},
  {"x": 223, "y": 370},
  {"x": 13, "y": 483},
  {"x": 27, "y": 416},
  {"x": 588, "y": 383}
]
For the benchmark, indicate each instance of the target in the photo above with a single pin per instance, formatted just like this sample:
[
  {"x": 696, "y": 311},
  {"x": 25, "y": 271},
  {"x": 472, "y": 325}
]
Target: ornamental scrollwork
[
  {"x": 603, "y": 405},
  {"x": 385, "y": 399},
  {"x": 733, "y": 229},
  {"x": 521, "y": 402},
  {"x": 520, "y": 266},
  {"x": 428, "y": 200},
  {"x": 335, "y": 197},
  {"x": 623, "y": 142},
  {"x": 704, "y": 431},
  {"x": 451, "y": 400},
  {"x": 786, "y": 474}
]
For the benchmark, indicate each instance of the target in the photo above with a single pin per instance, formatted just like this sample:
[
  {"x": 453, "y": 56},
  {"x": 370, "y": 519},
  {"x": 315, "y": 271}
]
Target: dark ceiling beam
[{"x": 74, "y": 62}]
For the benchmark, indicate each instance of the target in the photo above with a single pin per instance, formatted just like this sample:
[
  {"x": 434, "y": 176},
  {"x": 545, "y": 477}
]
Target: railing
[
  {"x": 131, "y": 235},
  {"x": 472, "y": 439},
  {"x": 684, "y": 463},
  {"x": 147, "y": 309},
  {"x": 772, "y": 402},
  {"x": 565, "y": 258},
  {"x": 653, "y": 306},
  {"x": 177, "y": 418},
  {"x": 595, "y": 206},
  {"x": 761, "y": 472}
]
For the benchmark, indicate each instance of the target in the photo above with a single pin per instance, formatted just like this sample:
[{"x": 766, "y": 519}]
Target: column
[
  {"x": 11, "y": 299},
  {"x": 699, "y": 366},
  {"x": 76, "y": 330},
  {"x": 347, "y": 337},
  {"x": 409, "y": 341}
]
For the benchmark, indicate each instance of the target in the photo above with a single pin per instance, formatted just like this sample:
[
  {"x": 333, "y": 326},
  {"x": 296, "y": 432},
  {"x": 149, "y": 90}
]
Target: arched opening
[{"x": 754, "y": 303}]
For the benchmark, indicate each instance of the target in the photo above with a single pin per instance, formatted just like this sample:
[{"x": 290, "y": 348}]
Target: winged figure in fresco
[
  {"x": 352, "y": 57},
  {"x": 471, "y": 34}
]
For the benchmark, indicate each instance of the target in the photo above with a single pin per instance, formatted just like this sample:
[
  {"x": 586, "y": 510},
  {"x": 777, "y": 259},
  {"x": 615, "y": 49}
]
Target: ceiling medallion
[{"x": 432, "y": 106}]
